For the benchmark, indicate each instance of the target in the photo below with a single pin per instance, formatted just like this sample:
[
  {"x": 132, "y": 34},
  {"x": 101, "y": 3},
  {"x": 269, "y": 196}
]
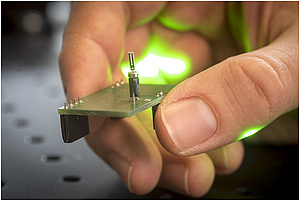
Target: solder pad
[{"x": 116, "y": 102}]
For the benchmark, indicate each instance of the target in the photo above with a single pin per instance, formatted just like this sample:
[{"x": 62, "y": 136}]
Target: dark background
[{"x": 36, "y": 164}]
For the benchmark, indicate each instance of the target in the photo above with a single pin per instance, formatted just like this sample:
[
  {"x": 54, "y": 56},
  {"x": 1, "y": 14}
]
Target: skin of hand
[{"x": 199, "y": 121}]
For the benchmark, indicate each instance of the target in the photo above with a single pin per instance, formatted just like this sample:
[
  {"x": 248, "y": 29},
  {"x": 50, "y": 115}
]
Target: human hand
[{"x": 248, "y": 90}]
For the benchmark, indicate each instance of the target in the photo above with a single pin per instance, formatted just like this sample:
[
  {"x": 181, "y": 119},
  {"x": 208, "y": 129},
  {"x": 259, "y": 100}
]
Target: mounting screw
[
  {"x": 160, "y": 93},
  {"x": 75, "y": 101},
  {"x": 65, "y": 106},
  {"x": 79, "y": 100},
  {"x": 70, "y": 103}
]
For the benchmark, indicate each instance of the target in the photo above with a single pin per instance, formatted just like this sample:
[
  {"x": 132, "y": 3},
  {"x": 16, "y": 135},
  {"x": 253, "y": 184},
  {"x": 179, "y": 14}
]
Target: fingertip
[
  {"x": 236, "y": 155},
  {"x": 144, "y": 176},
  {"x": 228, "y": 159},
  {"x": 140, "y": 177},
  {"x": 123, "y": 167},
  {"x": 201, "y": 176},
  {"x": 175, "y": 177},
  {"x": 191, "y": 176}
]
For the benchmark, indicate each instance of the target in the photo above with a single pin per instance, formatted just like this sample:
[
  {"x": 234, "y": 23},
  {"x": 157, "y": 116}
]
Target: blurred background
[{"x": 36, "y": 164}]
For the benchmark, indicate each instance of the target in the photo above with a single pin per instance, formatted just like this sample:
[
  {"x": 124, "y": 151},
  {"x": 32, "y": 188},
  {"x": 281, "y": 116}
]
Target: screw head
[{"x": 70, "y": 103}]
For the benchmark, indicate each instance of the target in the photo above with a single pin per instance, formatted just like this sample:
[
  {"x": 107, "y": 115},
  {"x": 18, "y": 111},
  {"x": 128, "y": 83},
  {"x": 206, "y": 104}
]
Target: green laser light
[
  {"x": 249, "y": 132},
  {"x": 155, "y": 66}
]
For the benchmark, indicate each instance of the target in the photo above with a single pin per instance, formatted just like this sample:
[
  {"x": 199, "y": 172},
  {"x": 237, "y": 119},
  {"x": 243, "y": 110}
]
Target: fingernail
[
  {"x": 189, "y": 122},
  {"x": 123, "y": 167}
]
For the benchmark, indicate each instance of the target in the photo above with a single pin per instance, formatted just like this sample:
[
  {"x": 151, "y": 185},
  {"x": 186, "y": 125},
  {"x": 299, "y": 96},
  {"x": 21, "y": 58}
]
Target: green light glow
[
  {"x": 160, "y": 65},
  {"x": 249, "y": 132},
  {"x": 152, "y": 64},
  {"x": 238, "y": 24},
  {"x": 173, "y": 24}
]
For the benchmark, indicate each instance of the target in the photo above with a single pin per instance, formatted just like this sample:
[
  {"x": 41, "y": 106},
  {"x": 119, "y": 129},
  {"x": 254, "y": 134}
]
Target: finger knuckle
[{"x": 257, "y": 84}]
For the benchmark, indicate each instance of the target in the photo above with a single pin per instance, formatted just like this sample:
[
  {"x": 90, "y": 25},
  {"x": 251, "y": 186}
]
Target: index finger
[
  {"x": 88, "y": 51},
  {"x": 94, "y": 42}
]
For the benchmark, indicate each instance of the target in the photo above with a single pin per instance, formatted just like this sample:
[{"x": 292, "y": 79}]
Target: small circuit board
[
  {"x": 115, "y": 101},
  {"x": 118, "y": 101}
]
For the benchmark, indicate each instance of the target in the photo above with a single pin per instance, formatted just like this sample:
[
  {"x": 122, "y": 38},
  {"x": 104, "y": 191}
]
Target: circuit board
[
  {"x": 115, "y": 102},
  {"x": 118, "y": 101}
]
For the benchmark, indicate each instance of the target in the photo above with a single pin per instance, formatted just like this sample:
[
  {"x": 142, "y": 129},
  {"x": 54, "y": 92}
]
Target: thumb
[{"x": 218, "y": 106}]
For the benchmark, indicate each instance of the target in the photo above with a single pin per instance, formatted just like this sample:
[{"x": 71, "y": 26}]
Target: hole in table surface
[
  {"x": 8, "y": 108},
  {"x": 22, "y": 123},
  {"x": 2, "y": 184},
  {"x": 243, "y": 191},
  {"x": 34, "y": 139},
  {"x": 71, "y": 179},
  {"x": 51, "y": 158}
]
